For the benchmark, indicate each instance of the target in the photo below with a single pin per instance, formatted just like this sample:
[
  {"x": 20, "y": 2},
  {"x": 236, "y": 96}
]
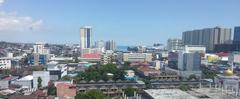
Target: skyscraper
[
  {"x": 236, "y": 37},
  {"x": 100, "y": 44},
  {"x": 207, "y": 37},
  {"x": 86, "y": 37},
  {"x": 110, "y": 45}
]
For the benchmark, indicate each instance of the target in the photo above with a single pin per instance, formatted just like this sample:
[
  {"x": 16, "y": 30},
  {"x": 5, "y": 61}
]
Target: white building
[
  {"x": 195, "y": 48},
  {"x": 39, "y": 48},
  {"x": 91, "y": 51},
  {"x": 5, "y": 63},
  {"x": 189, "y": 63},
  {"x": 174, "y": 44},
  {"x": 25, "y": 82},
  {"x": 157, "y": 65},
  {"x": 57, "y": 71},
  {"x": 44, "y": 75},
  {"x": 100, "y": 44},
  {"x": 107, "y": 57},
  {"x": 10, "y": 55},
  {"x": 137, "y": 57},
  {"x": 234, "y": 58},
  {"x": 168, "y": 94}
]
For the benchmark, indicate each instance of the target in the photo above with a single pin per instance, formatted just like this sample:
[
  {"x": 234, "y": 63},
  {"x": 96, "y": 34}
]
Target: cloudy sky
[{"x": 128, "y": 22}]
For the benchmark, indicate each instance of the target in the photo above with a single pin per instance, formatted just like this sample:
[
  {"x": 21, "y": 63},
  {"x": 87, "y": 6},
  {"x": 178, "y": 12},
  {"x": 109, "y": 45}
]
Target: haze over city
[{"x": 128, "y": 22}]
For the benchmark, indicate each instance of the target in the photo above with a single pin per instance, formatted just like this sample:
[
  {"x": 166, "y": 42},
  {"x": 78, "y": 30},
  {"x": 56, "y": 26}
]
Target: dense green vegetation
[
  {"x": 39, "y": 80},
  {"x": 208, "y": 73},
  {"x": 97, "y": 73},
  {"x": 192, "y": 77},
  {"x": 52, "y": 90},
  {"x": 184, "y": 87},
  {"x": 129, "y": 91}
]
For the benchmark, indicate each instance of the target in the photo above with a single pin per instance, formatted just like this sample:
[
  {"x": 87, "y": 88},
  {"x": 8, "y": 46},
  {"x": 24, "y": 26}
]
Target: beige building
[{"x": 137, "y": 57}]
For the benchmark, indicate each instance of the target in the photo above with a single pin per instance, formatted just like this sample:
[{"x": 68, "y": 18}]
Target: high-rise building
[
  {"x": 40, "y": 48},
  {"x": 207, "y": 37},
  {"x": 100, "y": 44},
  {"x": 236, "y": 37},
  {"x": 189, "y": 64},
  {"x": 110, "y": 45},
  {"x": 174, "y": 44},
  {"x": 189, "y": 61},
  {"x": 86, "y": 37}
]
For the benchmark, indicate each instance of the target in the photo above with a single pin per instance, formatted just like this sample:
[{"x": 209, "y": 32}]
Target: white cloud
[
  {"x": 13, "y": 22},
  {"x": 1, "y": 2}
]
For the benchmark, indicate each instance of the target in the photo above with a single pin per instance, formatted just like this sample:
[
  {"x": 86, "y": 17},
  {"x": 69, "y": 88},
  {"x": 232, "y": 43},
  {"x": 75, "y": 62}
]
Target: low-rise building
[
  {"x": 66, "y": 90},
  {"x": 5, "y": 63},
  {"x": 91, "y": 57},
  {"x": 57, "y": 71},
  {"x": 25, "y": 82},
  {"x": 5, "y": 82},
  {"x": 137, "y": 57},
  {"x": 44, "y": 75},
  {"x": 108, "y": 57},
  {"x": 167, "y": 94}
]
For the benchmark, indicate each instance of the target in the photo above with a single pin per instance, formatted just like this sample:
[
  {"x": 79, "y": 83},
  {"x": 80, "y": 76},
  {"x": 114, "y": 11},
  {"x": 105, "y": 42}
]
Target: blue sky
[{"x": 128, "y": 22}]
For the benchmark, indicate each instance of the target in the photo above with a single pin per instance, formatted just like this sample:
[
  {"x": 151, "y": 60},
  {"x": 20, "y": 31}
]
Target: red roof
[
  {"x": 221, "y": 54},
  {"x": 92, "y": 55},
  {"x": 66, "y": 84},
  {"x": 9, "y": 78}
]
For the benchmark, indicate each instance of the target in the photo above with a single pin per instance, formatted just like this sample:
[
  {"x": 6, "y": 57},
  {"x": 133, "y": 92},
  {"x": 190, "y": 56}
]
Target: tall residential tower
[
  {"x": 236, "y": 37},
  {"x": 207, "y": 37},
  {"x": 86, "y": 37}
]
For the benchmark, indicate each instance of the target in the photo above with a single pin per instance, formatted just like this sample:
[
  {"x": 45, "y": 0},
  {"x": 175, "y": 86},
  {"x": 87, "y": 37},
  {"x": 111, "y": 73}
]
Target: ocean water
[{"x": 122, "y": 48}]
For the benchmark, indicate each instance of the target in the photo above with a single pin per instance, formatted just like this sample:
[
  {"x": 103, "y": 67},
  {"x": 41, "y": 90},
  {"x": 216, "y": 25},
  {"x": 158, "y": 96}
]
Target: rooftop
[
  {"x": 169, "y": 94},
  {"x": 28, "y": 77},
  {"x": 92, "y": 55}
]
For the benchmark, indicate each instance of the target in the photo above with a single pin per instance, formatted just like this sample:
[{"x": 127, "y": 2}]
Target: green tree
[
  {"x": 184, "y": 87},
  {"x": 192, "y": 76},
  {"x": 82, "y": 96},
  {"x": 76, "y": 60},
  {"x": 52, "y": 90},
  {"x": 39, "y": 80},
  {"x": 129, "y": 91},
  {"x": 126, "y": 63}
]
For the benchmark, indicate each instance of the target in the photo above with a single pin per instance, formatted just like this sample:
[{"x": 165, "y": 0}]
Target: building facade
[
  {"x": 189, "y": 63},
  {"x": 137, "y": 57},
  {"x": 100, "y": 44},
  {"x": 37, "y": 59},
  {"x": 236, "y": 36},
  {"x": 57, "y": 71},
  {"x": 86, "y": 37},
  {"x": 5, "y": 63},
  {"x": 44, "y": 75},
  {"x": 207, "y": 37},
  {"x": 111, "y": 45},
  {"x": 40, "y": 48},
  {"x": 174, "y": 44}
]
